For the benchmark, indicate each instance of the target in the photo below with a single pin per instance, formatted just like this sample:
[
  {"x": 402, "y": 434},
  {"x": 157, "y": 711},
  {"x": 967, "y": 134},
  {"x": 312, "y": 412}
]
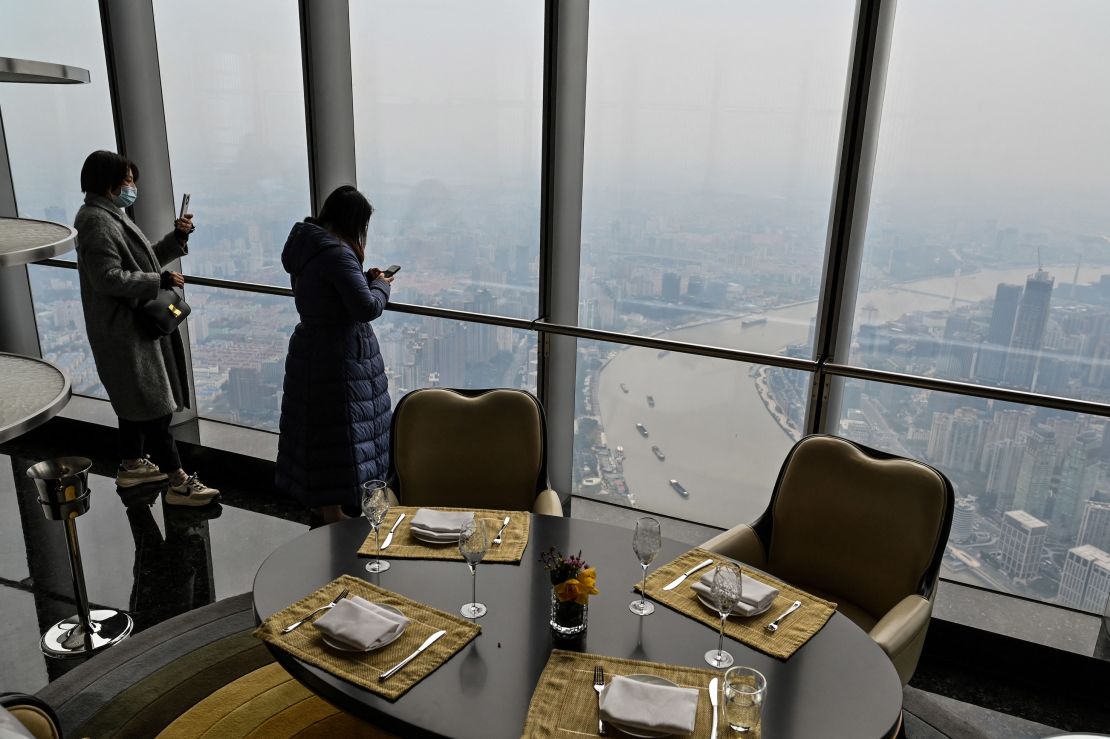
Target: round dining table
[{"x": 838, "y": 684}]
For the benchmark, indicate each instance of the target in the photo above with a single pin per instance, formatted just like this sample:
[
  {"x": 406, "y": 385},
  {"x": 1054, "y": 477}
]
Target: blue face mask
[{"x": 127, "y": 197}]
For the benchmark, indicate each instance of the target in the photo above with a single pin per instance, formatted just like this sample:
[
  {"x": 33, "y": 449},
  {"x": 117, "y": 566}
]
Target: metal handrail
[{"x": 835, "y": 369}]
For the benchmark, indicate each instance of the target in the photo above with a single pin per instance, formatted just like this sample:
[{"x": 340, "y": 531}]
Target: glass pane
[
  {"x": 986, "y": 258},
  {"x": 238, "y": 344},
  {"x": 1032, "y": 513},
  {"x": 61, "y": 324},
  {"x": 691, "y": 437},
  {"x": 234, "y": 98},
  {"x": 711, "y": 144},
  {"x": 448, "y": 112},
  {"x": 240, "y": 339},
  {"x": 50, "y": 129}
]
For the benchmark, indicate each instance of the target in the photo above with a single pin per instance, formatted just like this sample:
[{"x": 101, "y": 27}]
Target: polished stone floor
[{"x": 140, "y": 555}]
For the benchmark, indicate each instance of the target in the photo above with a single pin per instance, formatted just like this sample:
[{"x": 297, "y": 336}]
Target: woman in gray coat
[{"x": 145, "y": 377}]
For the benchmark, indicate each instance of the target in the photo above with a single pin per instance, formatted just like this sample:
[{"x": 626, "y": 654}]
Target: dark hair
[
  {"x": 104, "y": 171},
  {"x": 346, "y": 213}
]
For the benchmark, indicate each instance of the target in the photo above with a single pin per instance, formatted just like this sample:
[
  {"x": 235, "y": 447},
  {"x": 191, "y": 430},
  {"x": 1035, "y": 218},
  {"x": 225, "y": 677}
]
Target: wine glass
[
  {"x": 473, "y": 542},
  {"x": 375, "y": 504},
  {"x": 724, "y": 595},
  {"x": 646, "y": 542}
]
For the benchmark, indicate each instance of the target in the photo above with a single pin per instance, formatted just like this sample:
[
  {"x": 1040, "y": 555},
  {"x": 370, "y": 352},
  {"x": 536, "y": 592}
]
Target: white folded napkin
[
  {"x": 440, "y": 522},
  {"x": 358, "y": 623},
  {"x": 754, "y": 595},
  {"x": 649, "y": 707}
]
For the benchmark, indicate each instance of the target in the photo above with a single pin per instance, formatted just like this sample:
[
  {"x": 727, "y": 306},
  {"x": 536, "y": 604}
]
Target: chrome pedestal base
[{"x": 66, "y": 639}]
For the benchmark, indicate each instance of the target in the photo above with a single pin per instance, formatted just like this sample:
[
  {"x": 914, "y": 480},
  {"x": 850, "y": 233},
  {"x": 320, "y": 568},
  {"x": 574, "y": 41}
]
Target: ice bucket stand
[{"x": 63, "y": 486}]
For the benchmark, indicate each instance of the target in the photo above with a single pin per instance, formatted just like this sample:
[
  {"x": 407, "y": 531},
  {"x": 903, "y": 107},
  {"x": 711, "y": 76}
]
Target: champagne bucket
[{"x": 63, "y": 486}]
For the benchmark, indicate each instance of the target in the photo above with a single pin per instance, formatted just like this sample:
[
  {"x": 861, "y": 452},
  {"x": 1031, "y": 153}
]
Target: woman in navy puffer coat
[{"x": 335, "y": 413}]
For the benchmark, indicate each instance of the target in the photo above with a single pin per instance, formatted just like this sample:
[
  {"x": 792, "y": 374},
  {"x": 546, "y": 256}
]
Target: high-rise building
[
  {"x": 956, "y": 439},
  {"x": 1094, "y": 527},
  {"x": 1032, "y": 317},
  {"x": 1034, "y": 480},
  {"x": 963, "y": 517},
  {"x": 1021, "y": 539},
  {"x": 1078, "y": 477},
  {"x": 1085, "y": 581},
  {"x": 991, "y": 361},
  {"x": 671, "y": 282}
]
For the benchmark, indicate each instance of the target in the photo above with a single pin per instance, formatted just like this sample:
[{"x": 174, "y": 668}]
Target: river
[{"x": 720, "y": 441}]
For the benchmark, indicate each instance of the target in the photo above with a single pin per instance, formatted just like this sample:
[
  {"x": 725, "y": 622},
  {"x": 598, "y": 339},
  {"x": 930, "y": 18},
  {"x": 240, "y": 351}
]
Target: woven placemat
[
  {"x": 362, "y": 668},
  {"x": 564, "y": 703},
  {"x": 406, "y": 546},
  {"x": 793, "y": 632}
]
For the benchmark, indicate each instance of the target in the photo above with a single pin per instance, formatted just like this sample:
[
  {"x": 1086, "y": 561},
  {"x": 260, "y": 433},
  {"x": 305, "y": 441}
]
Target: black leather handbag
[{"x": 162, "y": 315}]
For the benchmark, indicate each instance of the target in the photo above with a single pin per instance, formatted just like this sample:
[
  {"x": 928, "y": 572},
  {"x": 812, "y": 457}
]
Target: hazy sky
[{"x": 996, "y": 105}]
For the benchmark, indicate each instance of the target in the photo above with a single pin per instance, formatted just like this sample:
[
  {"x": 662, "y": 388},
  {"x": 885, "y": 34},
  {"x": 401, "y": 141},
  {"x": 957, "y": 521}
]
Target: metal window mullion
[
  {"x": 566, "y": 26},
  {"x": 859, "y": 133},
  {"x": 135, "y": 86},
  {"x": 328, "y": 96}
]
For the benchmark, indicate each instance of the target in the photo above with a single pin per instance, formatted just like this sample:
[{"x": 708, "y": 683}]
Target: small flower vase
[{"x": 567, "y": 617}]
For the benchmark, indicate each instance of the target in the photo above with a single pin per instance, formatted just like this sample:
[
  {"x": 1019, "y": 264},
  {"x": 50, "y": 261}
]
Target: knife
[
  {"x": 713, "y": 702},
  {"x": 427, "y": 643},
  {"x": 678, "y": 580},
  {"x": 389, "y": 536}
]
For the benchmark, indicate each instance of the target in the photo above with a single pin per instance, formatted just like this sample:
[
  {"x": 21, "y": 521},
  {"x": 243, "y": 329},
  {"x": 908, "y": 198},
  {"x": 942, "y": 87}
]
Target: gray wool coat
[{"x": 145, "y": 377}]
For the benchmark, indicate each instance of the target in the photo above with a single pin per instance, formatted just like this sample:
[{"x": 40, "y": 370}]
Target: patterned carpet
[{"x": 198, "y": 675}]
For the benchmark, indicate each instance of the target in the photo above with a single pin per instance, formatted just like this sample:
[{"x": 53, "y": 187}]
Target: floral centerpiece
[{"x": 573, "y": 582}]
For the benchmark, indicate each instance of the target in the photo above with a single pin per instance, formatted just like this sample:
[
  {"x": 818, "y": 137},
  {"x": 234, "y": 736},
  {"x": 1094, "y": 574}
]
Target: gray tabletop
[
  {"x": 32, "y": 391},
  {"x": 838, "y": 685},
  {"x": 23, "y": 240}
]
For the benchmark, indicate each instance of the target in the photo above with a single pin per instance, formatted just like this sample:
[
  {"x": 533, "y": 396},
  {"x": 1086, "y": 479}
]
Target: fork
[
  {"x": 599, "y": 685},
  {"x": 504, "y": 524},
  {"x": 326, "y": 606}
]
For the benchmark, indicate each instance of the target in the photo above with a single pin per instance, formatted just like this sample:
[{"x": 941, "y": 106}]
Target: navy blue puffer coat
[{"x": 335, "y": 414}]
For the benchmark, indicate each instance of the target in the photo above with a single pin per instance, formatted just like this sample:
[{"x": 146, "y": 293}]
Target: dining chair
[
  {"x": 860, "y": 527},
  {"x": 20, "y": 712},
  {"x": 484, "y": 448}
]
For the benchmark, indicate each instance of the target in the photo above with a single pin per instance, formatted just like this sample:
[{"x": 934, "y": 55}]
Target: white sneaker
[
  {"x": 191, "y": 492},
  {"x": 142, "y": 472}
]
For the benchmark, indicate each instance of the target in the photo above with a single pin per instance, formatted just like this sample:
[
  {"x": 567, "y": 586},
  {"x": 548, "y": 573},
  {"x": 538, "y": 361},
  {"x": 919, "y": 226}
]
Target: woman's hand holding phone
[
  {"x": 376, "y": 274},
  {"x": 184, "y": 223}
]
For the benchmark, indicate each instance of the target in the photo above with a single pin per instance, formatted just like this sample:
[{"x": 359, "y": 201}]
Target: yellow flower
[{"x": 580, "y": 588}]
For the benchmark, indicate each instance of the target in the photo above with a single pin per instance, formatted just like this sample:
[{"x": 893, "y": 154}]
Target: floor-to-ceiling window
[
  {"x": 234, "y": 100},
  {"x": 448, "y": 112},
  {"x": 987, "y": 261},
  {"x": 710, "y": 158}
]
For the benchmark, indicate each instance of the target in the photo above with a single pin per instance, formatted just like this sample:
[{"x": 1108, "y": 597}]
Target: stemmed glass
[
  {"x": 646, "y": 542},
  {"x": 473, "y": 543},
  {"x": 375, "y": 505},
  {"x": 724, "y": 595}
]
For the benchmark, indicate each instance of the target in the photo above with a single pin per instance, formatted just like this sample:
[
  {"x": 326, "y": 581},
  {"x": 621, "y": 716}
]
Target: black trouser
[{"x": 152, "y": 437}]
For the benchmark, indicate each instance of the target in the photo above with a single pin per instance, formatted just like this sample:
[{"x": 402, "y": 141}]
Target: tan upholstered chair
[
  {"x": 859, "y": 527},
  {"x": 32, "y": 715},
  {"x": 484, "y": 448}
]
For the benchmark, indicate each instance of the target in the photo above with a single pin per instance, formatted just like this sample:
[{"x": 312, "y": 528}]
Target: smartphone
[
  {"x": 392, "y": 270},
  {"x": 184, "y": 205}
]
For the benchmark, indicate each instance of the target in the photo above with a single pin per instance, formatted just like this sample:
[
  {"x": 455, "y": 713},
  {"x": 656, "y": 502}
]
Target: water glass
[
  {"x": 375, "y": 506},
  {"x": 646, "y": 542},
  {"x": 744, "y": 690},
  {"x": 473, "y": 543}
]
